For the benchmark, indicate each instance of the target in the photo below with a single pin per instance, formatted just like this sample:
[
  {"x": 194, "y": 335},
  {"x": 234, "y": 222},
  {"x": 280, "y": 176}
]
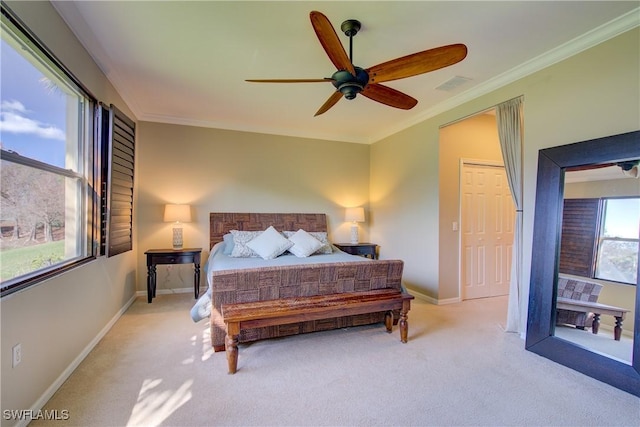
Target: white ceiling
[{"x": 185, "y": 62}]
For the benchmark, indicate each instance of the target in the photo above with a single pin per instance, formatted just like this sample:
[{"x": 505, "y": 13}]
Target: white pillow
[
  {"x": 270, "y": 244},
  {"x": 240, "y": 240},
  {"x": 321, "y": 236},
  {"x": 304, "y": 244}
]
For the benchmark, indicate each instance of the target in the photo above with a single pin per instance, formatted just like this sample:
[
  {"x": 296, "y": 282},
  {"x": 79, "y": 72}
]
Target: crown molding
[{"x": 159, "y": 118}]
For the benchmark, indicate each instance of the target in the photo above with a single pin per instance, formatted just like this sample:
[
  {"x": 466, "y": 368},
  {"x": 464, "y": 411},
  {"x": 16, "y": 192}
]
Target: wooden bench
[
  {"x": 299, "y": 309},
  {"x": 597, "y": 309}
]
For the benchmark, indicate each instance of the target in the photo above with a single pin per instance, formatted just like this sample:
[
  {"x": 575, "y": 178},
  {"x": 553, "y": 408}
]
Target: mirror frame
[{"x": 540, "y": 338}]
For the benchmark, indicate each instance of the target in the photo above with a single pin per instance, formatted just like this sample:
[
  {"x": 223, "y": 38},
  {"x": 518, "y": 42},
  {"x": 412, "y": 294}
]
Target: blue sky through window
[
  {"x": 622, "y": 218},
  {"x": 32, "y": 116}
]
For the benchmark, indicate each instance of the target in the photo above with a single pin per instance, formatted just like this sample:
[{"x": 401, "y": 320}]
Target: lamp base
[
  {"x": 354, "y": 233},
  {"x": 177, "y": 238}
]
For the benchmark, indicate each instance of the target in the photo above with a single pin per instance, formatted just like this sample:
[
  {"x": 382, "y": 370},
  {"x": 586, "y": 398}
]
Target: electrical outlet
[{"x": 17, "y": 354}]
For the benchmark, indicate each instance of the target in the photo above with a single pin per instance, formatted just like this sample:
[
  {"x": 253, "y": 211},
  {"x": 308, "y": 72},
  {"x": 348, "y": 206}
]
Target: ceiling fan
[{"x": 350, "y": 80}]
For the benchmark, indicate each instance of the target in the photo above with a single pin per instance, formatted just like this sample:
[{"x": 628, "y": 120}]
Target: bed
[{"x": 286, "y": 276}]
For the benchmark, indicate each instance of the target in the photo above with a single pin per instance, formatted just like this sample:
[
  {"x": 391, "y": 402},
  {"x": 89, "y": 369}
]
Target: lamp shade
[
  {"x": 177, "y": 213},
  {"x": 354, "y": 214}
]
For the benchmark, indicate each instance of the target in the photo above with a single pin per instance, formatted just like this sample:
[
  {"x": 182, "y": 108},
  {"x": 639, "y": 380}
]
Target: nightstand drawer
[{"x": 171, "y": 259}]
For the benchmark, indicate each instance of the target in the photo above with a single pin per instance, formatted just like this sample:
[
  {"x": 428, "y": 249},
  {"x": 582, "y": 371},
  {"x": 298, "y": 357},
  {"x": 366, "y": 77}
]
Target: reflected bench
[{"x": 597, "y": 309}]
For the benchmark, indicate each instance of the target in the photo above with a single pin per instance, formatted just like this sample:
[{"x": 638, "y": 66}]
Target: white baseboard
[
  {"x": 449, "y": 301},
  {"x": 167, "y": 292},
  {"x": 48, "y": 394},
  {"x": 432, "y": 300}
]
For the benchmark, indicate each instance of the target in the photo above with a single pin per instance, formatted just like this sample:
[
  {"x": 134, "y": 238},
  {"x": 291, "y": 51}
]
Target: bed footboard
[{"x": 270, "y": 283}]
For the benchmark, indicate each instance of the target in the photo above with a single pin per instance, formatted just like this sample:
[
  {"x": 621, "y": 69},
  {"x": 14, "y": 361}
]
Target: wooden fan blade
[
  {"x": 333, "y": 100},
  {"x": 330, "y": 42},
  {"x": 388, "y": 96},
  {"x": 326, "y": 79},
  {"x": 417, "y": 63}
]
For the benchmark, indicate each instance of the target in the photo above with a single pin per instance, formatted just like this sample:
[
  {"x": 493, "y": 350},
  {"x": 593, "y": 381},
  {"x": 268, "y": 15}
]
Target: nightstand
[
  {"x": 172, "y": 256},
  {"x": 363, "y": 249}
]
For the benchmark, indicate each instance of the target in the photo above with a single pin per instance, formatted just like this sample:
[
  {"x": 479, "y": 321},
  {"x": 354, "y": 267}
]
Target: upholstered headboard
[{"x": 221, "y": 223}]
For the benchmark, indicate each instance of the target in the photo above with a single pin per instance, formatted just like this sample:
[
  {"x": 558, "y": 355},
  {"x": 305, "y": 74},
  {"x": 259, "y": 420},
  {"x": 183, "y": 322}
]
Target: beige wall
[
  {"x": 592, "y": 94},
  {"x": 475, "y": 138},
  {"x": 60, "y": 319},
  {"x": 227, "y": 171}
]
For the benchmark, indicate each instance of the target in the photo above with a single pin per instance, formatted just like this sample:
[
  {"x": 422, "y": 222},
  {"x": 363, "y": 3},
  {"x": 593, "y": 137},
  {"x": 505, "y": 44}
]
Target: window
[
  {"x": 600, "y": 238},
  {"x": 617, "y": 256},
  {"x": 48, "y": 207}
]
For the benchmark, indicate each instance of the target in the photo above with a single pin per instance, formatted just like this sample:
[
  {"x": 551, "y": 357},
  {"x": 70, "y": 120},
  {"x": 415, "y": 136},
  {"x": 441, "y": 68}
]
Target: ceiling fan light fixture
[
  {"x": 630, "y": 168},
  {"x": 627, "y": 166},
  {"x": 348, "y": 84},
  {"x": 350, "y": 90}
]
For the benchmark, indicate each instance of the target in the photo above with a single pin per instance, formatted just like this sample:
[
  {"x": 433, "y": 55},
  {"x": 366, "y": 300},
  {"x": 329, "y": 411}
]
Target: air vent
[{"x": 453, "y": 83}]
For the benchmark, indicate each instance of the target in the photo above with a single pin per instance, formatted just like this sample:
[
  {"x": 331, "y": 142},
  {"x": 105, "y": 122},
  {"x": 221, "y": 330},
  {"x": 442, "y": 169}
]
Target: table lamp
[
  {"x": 354, "y": 215},
  {"x": 177, "y": 214}
]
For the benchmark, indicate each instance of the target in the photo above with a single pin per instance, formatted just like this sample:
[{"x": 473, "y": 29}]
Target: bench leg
[
  {"x": 388, "y": 321},
  {"x": 596, "y": 323},
  {"x": 404, "y": 325},
  {"x": 617, "y": 331},
  {"x": 231, "y": 345}
]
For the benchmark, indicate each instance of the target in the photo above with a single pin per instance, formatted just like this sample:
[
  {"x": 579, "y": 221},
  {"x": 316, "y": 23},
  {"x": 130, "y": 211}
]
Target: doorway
[
  {"x": 486, "y": 230},
  {"x": 474, "y": 137}
]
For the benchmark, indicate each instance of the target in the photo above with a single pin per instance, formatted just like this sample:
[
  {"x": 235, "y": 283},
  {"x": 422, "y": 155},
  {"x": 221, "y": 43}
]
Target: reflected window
[
  {"x": 600, "y": 238},
  {"x": 617, "y": 254}
]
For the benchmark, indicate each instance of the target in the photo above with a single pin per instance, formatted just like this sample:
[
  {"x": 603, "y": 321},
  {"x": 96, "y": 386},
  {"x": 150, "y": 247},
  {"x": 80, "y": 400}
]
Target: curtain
[{"x": 509, "y": 119}]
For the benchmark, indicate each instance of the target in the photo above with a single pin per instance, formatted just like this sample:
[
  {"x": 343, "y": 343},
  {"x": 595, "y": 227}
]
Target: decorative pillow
[
  {"x": 320, "y": 235},
  {"x": 240, "y": 240},
  {"x": 304, "y": 244},
  {"x": 270, "y": 244},
  {"x": 228, "y": 243}
]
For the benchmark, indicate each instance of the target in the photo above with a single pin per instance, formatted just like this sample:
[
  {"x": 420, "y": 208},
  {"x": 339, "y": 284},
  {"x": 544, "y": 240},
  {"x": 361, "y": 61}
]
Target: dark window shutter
[
  {"x": 580, "y": 223},
  {"x": 119, "y": 203},
  {"x": 102, "y": 129}
]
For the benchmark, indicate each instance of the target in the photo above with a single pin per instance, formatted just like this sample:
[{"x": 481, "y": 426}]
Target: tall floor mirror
[{"x": 584, "y": 304}]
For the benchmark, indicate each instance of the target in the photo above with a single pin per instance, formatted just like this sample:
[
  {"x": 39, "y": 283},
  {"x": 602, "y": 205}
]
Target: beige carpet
[{"x": 155, "y": 367}]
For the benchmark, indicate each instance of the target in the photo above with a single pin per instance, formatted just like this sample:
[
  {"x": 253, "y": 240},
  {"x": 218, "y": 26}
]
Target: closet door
[{"x": 487, "y": 216}]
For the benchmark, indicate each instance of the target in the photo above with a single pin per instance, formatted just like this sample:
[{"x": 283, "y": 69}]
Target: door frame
[{"x": 468, "y": 162}]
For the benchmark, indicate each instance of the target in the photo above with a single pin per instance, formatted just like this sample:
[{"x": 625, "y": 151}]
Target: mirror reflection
[{"x": 598, "y": 260}]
